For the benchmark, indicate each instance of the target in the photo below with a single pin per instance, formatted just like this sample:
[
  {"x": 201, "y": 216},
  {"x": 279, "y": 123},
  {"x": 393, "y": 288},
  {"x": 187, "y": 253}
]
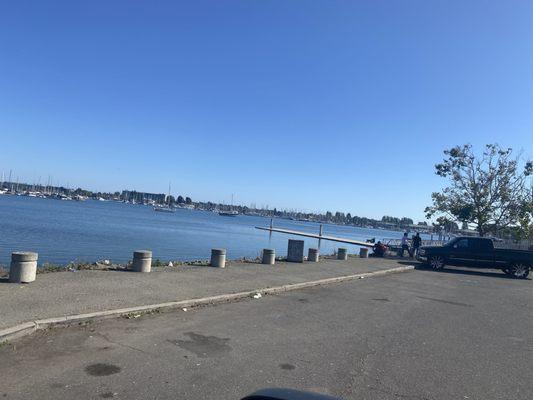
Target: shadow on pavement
[
  {"x": 473, "y": 272},
  {"x": 459, "y": 271}
]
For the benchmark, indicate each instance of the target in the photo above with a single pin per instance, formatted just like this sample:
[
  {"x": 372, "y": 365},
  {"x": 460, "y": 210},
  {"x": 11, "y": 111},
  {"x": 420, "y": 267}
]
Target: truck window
[
  {"x": 461, "y": 244},
  {"x": 482, "y": 244}
]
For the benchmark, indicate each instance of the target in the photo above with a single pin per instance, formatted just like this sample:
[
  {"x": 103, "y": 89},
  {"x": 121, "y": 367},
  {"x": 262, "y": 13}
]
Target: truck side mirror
[{"x": 286, "y": 394}]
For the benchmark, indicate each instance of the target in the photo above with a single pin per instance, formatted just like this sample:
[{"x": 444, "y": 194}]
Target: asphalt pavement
[
  {"x": 58, "y": 294},
  {"x": 419, "y": 335}
]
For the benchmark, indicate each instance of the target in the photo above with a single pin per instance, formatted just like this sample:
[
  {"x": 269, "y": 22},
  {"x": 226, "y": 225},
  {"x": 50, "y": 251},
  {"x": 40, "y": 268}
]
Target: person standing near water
[
  {"x": 417, "y": 241},
  {"x": 405, "y": 245}
]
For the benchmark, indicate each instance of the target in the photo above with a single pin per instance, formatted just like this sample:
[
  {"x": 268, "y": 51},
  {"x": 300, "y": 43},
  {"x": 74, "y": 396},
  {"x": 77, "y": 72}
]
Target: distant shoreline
[{"x": 265, "y": 213}]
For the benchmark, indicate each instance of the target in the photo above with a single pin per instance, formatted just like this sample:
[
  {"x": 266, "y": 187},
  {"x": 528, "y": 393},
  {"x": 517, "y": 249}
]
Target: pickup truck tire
[
  {"x": 436, "y": 262},
  {"x": 519, "y": 271}
]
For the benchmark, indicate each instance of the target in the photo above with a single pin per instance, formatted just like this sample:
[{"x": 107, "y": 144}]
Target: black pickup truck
[{"x": 479, "y": 253}]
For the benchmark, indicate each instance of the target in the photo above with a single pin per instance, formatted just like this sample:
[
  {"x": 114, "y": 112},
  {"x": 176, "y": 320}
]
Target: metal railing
[
  {"x": 515, "y": 245},
  {"x": 397, "y": 243},
  {"x": 498, "y": 244}
]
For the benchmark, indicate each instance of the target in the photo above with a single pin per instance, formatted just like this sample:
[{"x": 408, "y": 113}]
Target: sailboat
[
  {"x": 231, "y": 212},
  {"x": 166, "y": 207}
]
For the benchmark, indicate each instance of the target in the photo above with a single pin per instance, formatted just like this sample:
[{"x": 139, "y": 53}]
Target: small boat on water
[
  {"x": 230, "y": 213},
  {"x": 166, "y": 209}
]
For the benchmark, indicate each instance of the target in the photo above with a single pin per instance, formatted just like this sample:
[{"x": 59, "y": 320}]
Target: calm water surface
[{"x": 65, "y": 231}]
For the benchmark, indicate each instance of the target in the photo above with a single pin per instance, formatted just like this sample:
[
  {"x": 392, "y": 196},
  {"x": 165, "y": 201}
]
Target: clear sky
[{"x": 314, "y": 105}]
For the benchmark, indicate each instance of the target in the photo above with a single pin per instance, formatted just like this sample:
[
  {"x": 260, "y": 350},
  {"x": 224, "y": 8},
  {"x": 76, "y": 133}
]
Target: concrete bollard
[
  {"x": 23, "y": 267},
  {"x": 142, "y": 261},
  {"x": 269, "y": 256},
  {"x": 218, "y": 258},
  {"x": 342, "y": 253},
  {"x": 295, "y": 252},
  {"x": 313, "y": 255},
  {"x": 363, "y": 252}
]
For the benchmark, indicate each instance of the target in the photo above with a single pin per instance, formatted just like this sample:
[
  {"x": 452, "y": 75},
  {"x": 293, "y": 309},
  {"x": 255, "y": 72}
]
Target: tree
[
  {"x": 525, "y": 219},
  {"x": 443, "y": 224},
  {"x": 486, "y": 191},
  {"x": 188, "y": 200},
  {"x": 180, "y": 199},
  {"x": 390, "y": 220},
  {"x": 356, "y": 220},
  {"x": 339, "y": 217},
  {"x": 406, "y": 221}
]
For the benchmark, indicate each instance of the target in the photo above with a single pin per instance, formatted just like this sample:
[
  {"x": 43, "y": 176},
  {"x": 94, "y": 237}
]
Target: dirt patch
[
  {"x": 287, "y": 367},
  {"x": 204, "y": 346},
  {"x": 102, "y": 369}
]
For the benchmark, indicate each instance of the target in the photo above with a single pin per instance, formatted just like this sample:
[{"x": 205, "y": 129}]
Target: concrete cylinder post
[
  {"x": 23, "y": 267},
  {"x": 269, "y": 256},
  {"x": 313, "y": 255},
  {"x": 142, "y": 261},
  {"x": 218, "y": 258},
  {"x": 363, "y": 252},
  {"x": 295, "y": 251},
  {"x": 342, "y": 253}
]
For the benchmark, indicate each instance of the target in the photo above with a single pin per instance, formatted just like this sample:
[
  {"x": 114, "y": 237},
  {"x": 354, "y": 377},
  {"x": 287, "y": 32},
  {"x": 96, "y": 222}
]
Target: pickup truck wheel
[
  {"x": 436, "y": 262},
  {"x": 519, "y": 271}
]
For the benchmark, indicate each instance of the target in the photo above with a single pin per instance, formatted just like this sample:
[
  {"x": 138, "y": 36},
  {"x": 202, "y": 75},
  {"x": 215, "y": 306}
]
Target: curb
[{"x": 28, "y": 328}]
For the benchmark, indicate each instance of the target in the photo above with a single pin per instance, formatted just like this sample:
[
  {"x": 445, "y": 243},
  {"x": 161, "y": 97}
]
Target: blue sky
[{"x": 312, "y": 105}]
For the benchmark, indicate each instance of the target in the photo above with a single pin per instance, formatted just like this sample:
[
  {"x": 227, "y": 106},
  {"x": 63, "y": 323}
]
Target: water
[{"x": 65, "y": 231}]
